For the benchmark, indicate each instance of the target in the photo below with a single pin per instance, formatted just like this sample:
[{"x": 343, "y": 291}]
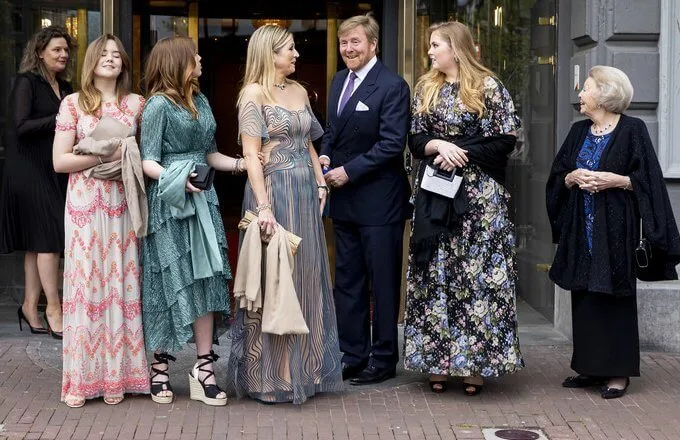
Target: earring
[{"x": 456, "y": 59}]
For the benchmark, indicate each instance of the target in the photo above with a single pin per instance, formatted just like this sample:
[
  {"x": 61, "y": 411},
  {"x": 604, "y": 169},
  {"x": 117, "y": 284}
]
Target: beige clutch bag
[{"x": 250, "y": 216}]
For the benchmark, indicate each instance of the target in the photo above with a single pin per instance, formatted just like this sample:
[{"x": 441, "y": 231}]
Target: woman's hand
[
  {"x": 189, "y": 187},
  {"x": 267, "y": 223},
  {"x": 323, "y": 195},
  {"x": 579, "y": 176},
  {"x": 596, "y": 181},
  {"x": 450, "y": 156}
]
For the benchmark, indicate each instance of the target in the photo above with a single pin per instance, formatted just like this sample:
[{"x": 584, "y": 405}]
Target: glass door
[
  {"x": 222, "y": 31},
  {"x": 517, "y": 40}
]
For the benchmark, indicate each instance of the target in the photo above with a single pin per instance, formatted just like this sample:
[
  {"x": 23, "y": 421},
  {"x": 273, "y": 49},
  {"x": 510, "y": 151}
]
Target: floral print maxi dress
[
  {"x": 103, "y": 347},
  {"x": 460, "y": 312}
]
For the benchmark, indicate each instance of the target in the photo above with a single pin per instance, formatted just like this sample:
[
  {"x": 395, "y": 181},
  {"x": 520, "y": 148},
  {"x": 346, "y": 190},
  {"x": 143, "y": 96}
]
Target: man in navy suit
[{"x": 362, "y": 148}]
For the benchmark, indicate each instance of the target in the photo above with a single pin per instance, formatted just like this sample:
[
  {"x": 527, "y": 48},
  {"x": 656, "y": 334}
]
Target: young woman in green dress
[{"x": 179, "y": 302}]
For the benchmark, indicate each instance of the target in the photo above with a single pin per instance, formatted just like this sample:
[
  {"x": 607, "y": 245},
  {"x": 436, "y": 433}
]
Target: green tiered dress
[{"x": 171, "y": 298}]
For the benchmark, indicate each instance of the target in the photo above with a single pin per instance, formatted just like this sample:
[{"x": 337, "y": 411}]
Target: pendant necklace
[{"x": 281, "y": 86}]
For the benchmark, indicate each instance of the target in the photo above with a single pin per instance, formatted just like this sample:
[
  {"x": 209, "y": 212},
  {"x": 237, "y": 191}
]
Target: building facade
[{"x": 540, "y": 49}]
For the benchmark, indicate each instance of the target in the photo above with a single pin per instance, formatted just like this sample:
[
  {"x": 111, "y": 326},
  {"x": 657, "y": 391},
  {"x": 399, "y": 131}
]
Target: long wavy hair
[
  {"x": 471, "y": 72},
  {"x": 264, "y": 43},
  {"x": 168, "y": 72},
  {"x": 31, "y": 62},
  {"x": 89, "y": 97}
]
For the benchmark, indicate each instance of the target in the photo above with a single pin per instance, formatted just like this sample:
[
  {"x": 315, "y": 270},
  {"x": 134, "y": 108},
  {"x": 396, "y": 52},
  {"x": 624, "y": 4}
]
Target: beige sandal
[
  {"x": 74, "y": 402},
  {"x": 113, "y": 400}
]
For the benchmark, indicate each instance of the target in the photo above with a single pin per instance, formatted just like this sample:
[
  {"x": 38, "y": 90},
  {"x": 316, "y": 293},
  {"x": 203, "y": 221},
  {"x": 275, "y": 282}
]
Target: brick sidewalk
[{"x": 400, "y": 409}]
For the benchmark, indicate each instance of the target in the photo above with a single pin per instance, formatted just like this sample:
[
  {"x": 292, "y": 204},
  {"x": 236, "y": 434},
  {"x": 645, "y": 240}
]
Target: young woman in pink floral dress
[{"x": 103, "y": 352}]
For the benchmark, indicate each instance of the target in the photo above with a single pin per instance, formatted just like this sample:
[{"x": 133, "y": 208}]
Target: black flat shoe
[
  {"x": 438, "y": 386},
  {"x": 373, "y": 374},
  {"x": 582, "y": 381},
  {"x": 34, "y": 330},
  {"x": 472, "y": 389},
  {"x": 614, "y": 393}
]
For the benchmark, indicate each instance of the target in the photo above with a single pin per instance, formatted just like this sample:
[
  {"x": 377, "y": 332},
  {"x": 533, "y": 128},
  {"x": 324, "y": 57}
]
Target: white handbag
[{"x": 444, "y": 183}]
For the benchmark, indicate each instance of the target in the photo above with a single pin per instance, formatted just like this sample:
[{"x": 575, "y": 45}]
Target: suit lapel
[
  {"x": 367, "y": 86},
  {"x": 334, "y": 98}
]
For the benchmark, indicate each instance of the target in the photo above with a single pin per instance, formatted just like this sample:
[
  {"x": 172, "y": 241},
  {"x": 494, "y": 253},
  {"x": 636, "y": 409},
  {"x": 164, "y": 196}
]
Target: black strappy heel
[
  {"x": 158, "y": 386},
  {"x": 199, "y": 390}
]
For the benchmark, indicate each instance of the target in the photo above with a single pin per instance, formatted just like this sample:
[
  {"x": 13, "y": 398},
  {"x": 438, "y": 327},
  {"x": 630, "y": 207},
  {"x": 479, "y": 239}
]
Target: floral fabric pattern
[
  {"x": 460, "y": 311},
  {"x": 589, "y": 158},
  {"x": 103, "y": 347}
]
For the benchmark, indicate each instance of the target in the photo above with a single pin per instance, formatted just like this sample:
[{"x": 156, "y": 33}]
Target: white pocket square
[{"x": 361, "y": 107}]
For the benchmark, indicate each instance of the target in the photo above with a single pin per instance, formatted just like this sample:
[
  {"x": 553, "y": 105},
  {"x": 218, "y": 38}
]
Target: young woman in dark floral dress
[{"x": 460, "y": 307}]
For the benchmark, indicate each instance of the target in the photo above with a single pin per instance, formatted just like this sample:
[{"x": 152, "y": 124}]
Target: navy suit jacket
[{"x": 370, "y": 145}]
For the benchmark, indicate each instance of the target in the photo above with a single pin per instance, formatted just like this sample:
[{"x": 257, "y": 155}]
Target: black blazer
[
  {"x": 370, "y": 145},
  {"x": 611, "y": 268}
]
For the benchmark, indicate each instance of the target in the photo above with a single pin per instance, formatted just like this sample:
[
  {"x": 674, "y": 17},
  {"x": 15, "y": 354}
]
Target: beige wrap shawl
[{"x": 108, "y": 135}]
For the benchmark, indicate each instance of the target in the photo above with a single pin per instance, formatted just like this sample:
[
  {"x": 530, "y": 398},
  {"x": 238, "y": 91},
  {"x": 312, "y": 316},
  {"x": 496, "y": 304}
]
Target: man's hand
[{"x": 336, "y": 177}]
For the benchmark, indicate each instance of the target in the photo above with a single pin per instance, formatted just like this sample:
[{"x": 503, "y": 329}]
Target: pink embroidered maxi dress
[{"x": 103, "y": 346}]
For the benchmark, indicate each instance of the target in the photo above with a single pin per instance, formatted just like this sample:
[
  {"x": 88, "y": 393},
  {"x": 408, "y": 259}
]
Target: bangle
[
  {"x": 262, "y": 207},
  {"x": 237, "y": 166},
  {"x": 324, "y": 187}
]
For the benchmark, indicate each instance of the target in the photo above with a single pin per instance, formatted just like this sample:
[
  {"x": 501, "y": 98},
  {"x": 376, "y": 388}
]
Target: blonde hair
[
  {"x": 615, "y": 88},
  {"x": 367, "y": 22},
  {"x": 168, "y": 72},
  {"x": 90, "y": 98},
  {"x": 264, "y": 43},
  {"x": 471, "y": 72},
  {"x": 31, "y": 61}
]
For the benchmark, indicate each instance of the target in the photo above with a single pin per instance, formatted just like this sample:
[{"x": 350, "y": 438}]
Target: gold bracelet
[
  {"x": 629, "y": 185},
  {"x": 262, "y": 207}
]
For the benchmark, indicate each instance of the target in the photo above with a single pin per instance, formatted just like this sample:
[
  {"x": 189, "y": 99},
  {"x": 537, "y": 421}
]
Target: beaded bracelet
[{"x": 262, "y": 207}]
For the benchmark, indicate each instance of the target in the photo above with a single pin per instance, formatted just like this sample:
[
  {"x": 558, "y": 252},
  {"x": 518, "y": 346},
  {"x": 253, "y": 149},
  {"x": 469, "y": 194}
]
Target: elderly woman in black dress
[
  {"x": 604, "y": 184},
  {"x": 33, "y": 195}
]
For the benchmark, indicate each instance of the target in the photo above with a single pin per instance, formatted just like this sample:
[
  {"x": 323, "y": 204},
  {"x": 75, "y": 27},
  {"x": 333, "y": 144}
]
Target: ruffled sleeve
[
  {"x": 154, "y": 120},
  {"x": 500, "y": 116},
  {"x": 250, "y": 120},
  {"x": 315, "y": 130},
  {"x": 67, "y": 118}
]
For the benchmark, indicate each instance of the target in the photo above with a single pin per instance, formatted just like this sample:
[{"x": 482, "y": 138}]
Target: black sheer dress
[{"x": 32, "y": 194}]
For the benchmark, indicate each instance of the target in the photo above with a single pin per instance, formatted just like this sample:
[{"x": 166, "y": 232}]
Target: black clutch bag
[{"x": 205, "y": 175}]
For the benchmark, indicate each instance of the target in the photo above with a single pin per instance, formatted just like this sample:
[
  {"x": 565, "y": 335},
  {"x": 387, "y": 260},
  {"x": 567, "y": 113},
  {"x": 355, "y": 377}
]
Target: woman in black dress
[
  {"x": 33, "y": 195},
  {"x": 605, "y": 182}
]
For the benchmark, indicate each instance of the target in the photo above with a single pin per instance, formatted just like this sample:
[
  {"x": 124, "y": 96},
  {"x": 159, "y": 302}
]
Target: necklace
[
  {"x": 281, "y": 86},
  {"x": 600, "y": 131}
]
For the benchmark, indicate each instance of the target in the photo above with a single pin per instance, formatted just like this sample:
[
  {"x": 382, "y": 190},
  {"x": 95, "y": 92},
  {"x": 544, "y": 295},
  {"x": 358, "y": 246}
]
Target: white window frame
[{"x": 668, "y": 111}]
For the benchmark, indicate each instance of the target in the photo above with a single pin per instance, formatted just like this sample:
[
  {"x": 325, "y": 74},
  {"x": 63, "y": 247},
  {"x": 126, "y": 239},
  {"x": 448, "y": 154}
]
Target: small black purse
[
  {"x": 205, "y": 174},
  {"x": 643, "y": 251}
]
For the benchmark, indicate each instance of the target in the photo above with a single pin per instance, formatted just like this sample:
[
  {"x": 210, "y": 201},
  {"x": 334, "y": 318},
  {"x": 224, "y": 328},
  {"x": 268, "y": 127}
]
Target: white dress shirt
[{"x": 361, "y": 74}]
